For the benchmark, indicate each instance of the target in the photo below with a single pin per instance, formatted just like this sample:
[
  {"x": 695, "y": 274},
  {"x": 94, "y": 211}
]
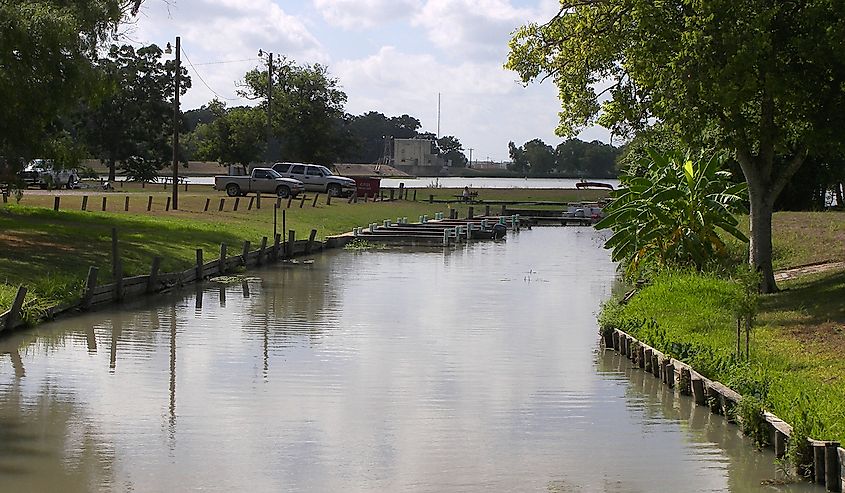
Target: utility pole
[
  {"x": 438, "y": 115},
  {"x": 269, "y": 106},
  {"x": 175, "y": 188},
  {"x": 470, "y": 158}
]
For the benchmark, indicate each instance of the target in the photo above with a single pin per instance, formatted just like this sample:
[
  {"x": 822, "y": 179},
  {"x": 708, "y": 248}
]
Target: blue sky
[{"x": 390, "y": 56}]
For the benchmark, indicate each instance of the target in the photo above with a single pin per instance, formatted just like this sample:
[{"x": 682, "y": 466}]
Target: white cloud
[{"x": 365, "y": 14}]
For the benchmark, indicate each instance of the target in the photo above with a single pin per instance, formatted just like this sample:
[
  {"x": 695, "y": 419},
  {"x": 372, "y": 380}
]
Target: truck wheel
[
  {"x": 334, "y": 190},
  {"x": 283, "y": 191},
  {"x": 233, "y": 190}
]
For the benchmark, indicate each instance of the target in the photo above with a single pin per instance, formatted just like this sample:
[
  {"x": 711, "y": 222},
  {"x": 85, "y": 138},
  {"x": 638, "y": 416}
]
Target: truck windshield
[
  {"x": 326, "y": 171},
  {"x": 273, "y": 174}
]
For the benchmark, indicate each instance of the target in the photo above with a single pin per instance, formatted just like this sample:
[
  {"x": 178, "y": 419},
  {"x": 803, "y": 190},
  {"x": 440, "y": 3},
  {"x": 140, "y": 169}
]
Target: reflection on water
[{"x": 465, "y": 369}]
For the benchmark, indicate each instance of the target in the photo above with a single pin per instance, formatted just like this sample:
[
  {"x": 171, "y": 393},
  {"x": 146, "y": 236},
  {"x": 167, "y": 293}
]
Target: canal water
[{"x": 474, "y": 368}]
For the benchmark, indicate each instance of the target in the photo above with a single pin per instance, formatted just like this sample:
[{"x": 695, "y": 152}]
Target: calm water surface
[{"x": 468, "y": 369}]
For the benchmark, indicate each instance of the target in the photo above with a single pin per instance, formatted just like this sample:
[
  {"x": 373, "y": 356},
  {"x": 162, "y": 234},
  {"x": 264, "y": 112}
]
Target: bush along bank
[{"x": 698, "y": 321}]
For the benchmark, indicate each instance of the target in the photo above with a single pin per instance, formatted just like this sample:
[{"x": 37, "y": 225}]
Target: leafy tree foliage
[
  {"x": 671, "y": 215},
  {"x": 452, "y": 150},
  {"x": 234, "y": 135},
  {"x": 307, "y": 108},
  {"x": 46, "y": 49},
  {"x": 572, "y": 157},
  {"x": 369, "y": 131},
  {"x": 759, "y": 78},
  {"x": 134, "y": 115}
]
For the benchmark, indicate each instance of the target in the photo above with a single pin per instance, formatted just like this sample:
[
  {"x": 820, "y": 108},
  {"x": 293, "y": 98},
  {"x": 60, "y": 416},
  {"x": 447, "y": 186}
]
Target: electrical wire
[{"x": 203, "y": 80}]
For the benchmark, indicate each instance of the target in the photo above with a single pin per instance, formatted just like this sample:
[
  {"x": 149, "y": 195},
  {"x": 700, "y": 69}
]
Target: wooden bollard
[
  {"x": 221, "y": 264},
  {"x": 186, "y": 185},
  {"x": 245, "y": 253},
  {"x": 616, "y": 340},
  {"x": 714, "y": 400},
  {"x": 608, "y": 339},
  {"x": 470, "y": 212},
  {"x": 290, "y": 199},
  {"x": 126, "y": 204},
  {"x": 629, "y": 347},
  {"x": 392, "y": 192},
  {"x": 310, "y": 244},
  {"x": 365, "y": 197},
  {"x": 635, "y": 349},
  {"x": 251, "y": 201},
  {"x": 149, "y": 203},
  {"x": 237, "y": 203},
  {"x": 486, "y": 210},
  {"x": 504, "y": 211},
  {"x": 118, "y": 282},
  {"x": 302, "y": 201},
  {"x": 15, "y": 312},
  {"x": 143, "y": 184},
  {"x": 104, "y": 202},
  {"x": 779, "y": 444},
  {"x": 655, "y": 365},
  {"x": 115, "y": 256},
  {"x": 90, "y": 284},
  {"x": 431, "y": 199},
  {"x": 291, "y": 241},
  {"x": 328, "y": 199},
  {"x": 647, "y": 359},
  {"x": 258, "y": 200},
  {"x": 56, "y": 201},
  {"x": 152, "y": 280},
  {"x": 670, "y": 373},
  {"x": 640, "y": 355},
  {"x": 261, "y": 250},
  {"x": 833, "y": 469},
  {"x": 207, "y": 203},
  {"x": 415, "y": 195},
  {"x": 222, "y": 203},
  {"x": 351, "y": 197},
  {"x": 685, "y": 382},
  {"x": 698, "y": 394},
  {"x": 401, "y": 189},
  {"x": 199, "y": 265},
  {"x": 84, "y": 202},
  {"x": 818, "y": 462},
  {"x": 314, "y": 203},
  {"x": 167, "y": 206},
  {"x": 276, "y": 242}
]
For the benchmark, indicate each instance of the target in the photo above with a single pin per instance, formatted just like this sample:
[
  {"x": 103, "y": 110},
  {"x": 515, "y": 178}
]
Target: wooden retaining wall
[
  {"x": 828, "y": 456},
  {"x": 129, "y": 288}
]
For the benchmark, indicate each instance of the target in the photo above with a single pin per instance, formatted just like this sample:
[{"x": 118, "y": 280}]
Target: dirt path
[{"x": 787, "y": 274}]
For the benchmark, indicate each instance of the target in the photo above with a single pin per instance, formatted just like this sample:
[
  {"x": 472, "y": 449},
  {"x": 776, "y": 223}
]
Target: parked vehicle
[
  {"x": 40, "y": 173},
  {"x": 317, "y": 178},
  {"x": 262, "y": 180}
]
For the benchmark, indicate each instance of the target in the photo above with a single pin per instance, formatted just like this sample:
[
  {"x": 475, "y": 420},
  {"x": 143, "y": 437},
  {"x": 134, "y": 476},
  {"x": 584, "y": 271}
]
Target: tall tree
[
  {"x": 370, "y": 130},
  {"x": 46, "y": 49},
  {"x": 307, "y": 108},
  {"x": 452, "y": 150},
  {"x": 762, "y": 79},
  {"x": 235, "y": 135},
  {"x": 134, "y": 115}
]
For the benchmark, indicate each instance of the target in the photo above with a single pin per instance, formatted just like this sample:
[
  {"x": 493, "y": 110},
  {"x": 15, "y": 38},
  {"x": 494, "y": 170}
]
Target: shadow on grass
[{"x": 818, "y": 298}]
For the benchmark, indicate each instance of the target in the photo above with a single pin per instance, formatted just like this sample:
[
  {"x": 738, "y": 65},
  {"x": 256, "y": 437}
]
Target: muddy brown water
[{"x": 467, "y": 369}]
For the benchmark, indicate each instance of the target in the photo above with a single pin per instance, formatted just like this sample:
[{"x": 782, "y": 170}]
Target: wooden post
[
  {"x": 186, "y": 185},
  {"x": 221, "y": 265},
  {"x": 237, "y": 203},
  {"x": 314, "y": 203},
  {"x": 392, "y": 191},
  {"x": 149, "y": 203},
  {"x": 685, "y": 381},
  {"x": 291, "y": 240},
  {"x": 641, "y": 355},
  {"x": 504, "y": 211},
  {"x": 104, "y": 202},
  {"x": 670, "y": 373},
  {"x": 15, "y": 313},
  {"x": 199, "y": 264},
  {"x": 647, "y": 359},
  {"x": 415, "y": 195},
  {"x": 126, "y": 204},
  {"x": 143, "y": 184},
  {"x": 780, "y": 444},
  {"x": 152, "y": 281},
  {"x": 818, "y": 462},
  {"x": 655, "y": 365},
  {"x": 114, "y": 252},
  {"x": 244, "y": 253},
  {"x": 365, "y": 197},
  {"x": 310, "y": 244},
  {"x": 207, "y": 203},
  {"x": 616, "y": 340},
  {"x": 258, "y": 200},
  {"x": 222, "y": 202},
  {"x": 84, "y": 202},
  {"x": 832, "y": 467},
  {"x": 90, "y": 284},
  {"x": 470, "y": 212},
  {"x": 431, "y": 199},
  {"x": 118, "y": 282},
  {"x": 401, "y": 190},
  {"x": 698, "y": 391},
  {"x": 355, "y": 197},
  {"x": 56, "y": 200},
  {"x": 328, "y": 199},
  {"x": 167, "y": 205},
  {"x": 261, "y": 250},
  {"x": 290, "y": 199},
  {"x": 302, "y": 201},
  {"x": 251, "y": 201},
  {"x": 276, "y": 242}
]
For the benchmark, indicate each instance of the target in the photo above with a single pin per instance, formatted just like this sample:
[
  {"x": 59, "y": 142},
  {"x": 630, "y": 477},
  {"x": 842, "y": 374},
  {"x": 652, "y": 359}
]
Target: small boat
[{"x": 593, "y": 184}]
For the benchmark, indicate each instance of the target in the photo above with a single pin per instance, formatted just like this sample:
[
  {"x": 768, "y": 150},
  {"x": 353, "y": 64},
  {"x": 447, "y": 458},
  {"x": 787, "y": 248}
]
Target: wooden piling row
[{"x": 827, "y": 457}]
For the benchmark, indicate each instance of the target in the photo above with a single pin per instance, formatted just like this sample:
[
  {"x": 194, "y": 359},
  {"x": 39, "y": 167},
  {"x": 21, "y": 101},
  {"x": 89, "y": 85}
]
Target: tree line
[{"x": 572, "y": 157}]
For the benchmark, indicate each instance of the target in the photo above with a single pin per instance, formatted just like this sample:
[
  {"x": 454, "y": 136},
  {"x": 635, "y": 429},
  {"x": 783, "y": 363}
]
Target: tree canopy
[
  {"x": 572, "y": 157},
  {"x": 234, "y": 135},
  {"x": 761, "y": 79}
]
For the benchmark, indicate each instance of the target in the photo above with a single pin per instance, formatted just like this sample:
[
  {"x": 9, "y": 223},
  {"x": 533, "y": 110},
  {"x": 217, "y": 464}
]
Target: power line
[
  {"x": 228, "y": 61},
  {"x": 203, "y": 80}
]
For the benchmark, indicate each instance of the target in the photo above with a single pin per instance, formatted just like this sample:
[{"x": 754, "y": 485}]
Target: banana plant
[{"x": 673, "y": 214}]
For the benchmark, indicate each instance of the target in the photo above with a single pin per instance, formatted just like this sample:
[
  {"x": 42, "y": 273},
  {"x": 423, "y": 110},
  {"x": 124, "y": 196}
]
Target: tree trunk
[
  {"x": 111, "y": 169},
  {"x": 838, "y": 189},
  {"x": 760, "y": 246}
]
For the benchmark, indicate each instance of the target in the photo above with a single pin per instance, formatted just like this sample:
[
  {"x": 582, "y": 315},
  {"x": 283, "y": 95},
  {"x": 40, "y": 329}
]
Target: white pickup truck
[
  {"x": 318, "y": 178},
  {"x": 262, "y": 180}
]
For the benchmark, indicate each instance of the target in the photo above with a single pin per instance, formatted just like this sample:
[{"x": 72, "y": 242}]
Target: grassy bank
[{"x": 796, "y": 368}]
